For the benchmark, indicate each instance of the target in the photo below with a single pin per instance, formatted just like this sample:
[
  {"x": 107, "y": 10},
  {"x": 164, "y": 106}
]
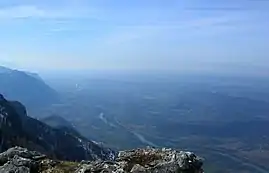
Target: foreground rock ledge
[{"x": 20, "y": 160}]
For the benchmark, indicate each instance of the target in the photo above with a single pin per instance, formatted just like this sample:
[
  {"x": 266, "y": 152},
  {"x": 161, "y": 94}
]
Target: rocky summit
[{"x": 149, "y": 160}]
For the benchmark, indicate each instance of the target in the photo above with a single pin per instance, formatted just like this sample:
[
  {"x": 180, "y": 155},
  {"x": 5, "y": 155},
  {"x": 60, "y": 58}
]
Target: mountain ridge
[
  {"x": 26, "y": 87},
  {"x": 18, "y": 129}
]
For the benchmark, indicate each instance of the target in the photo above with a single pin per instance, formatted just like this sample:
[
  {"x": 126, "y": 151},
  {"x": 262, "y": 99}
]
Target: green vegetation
[{"x": 60, "y": 167}]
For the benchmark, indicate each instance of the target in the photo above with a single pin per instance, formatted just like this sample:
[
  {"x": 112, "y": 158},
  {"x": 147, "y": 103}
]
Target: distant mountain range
[
  {"x": 4, "y": 69},
  {"x": 26, "y": 87},
  {"x": 18, "y": 129}
]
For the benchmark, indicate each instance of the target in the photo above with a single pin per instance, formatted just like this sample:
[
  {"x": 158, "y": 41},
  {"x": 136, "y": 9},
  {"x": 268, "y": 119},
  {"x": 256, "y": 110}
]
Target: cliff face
[
  {"x": 10, "y": 125},
  {"x": 136, "y": 161},
  {"x": 17, "y": 129}
]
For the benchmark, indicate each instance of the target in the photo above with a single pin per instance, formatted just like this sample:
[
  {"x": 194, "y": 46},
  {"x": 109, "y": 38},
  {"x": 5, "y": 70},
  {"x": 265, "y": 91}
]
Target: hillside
[
  {"x": 26, "y": 87},
  {"x": 58, "y": 122},
  {"x": 17, "y": 129}
]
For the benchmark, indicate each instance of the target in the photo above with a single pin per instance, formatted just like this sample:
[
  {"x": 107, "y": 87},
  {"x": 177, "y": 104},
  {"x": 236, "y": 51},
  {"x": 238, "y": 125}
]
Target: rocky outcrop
[
  {"x": 20, "y": 160},
  {"x": 150, "y": 160}
]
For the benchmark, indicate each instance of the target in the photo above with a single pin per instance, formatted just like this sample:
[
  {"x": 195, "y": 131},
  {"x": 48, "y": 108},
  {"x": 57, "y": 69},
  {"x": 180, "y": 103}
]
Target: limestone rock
[
  {"x": 148, "y": 160},
  {"x": 19, "y": 160}
]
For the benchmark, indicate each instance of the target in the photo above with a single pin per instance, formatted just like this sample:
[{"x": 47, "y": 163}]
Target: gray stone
[
  {"x": 138, "y": 169},
  {"x": 149, "y": 160},
  {"x": 19, "y": 160},
  {"x": 11, "y": 168}
]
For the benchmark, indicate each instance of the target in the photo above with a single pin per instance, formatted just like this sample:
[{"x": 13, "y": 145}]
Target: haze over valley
[
  {"x": 84, "y": 80},
  {"x": 223, "y": 118}
]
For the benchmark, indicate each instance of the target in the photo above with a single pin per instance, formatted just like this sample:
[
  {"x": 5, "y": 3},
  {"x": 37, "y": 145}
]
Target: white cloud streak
[
  {"x": 209, "y": 25},
  {"x": 31, "y": 11}
]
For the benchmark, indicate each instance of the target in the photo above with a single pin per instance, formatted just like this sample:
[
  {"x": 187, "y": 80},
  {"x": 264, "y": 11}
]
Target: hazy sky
[{"x": 135, "y": 34}]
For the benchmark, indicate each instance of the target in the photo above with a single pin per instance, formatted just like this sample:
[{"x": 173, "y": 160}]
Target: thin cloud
[
  {"x": 222, "y": 9},
  {"x": 31, "y": 11},
  {"x": 124, "y": 35},
  {"x": 219, "y": 21}
]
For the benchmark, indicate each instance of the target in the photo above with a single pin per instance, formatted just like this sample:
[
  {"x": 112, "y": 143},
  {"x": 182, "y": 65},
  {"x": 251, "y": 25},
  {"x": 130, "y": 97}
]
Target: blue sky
[{"x": 168, "y": 35}]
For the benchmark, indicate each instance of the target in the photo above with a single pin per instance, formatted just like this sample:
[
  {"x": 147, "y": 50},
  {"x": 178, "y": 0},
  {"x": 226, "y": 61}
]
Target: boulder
[{"x": 20, "y": 160}]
